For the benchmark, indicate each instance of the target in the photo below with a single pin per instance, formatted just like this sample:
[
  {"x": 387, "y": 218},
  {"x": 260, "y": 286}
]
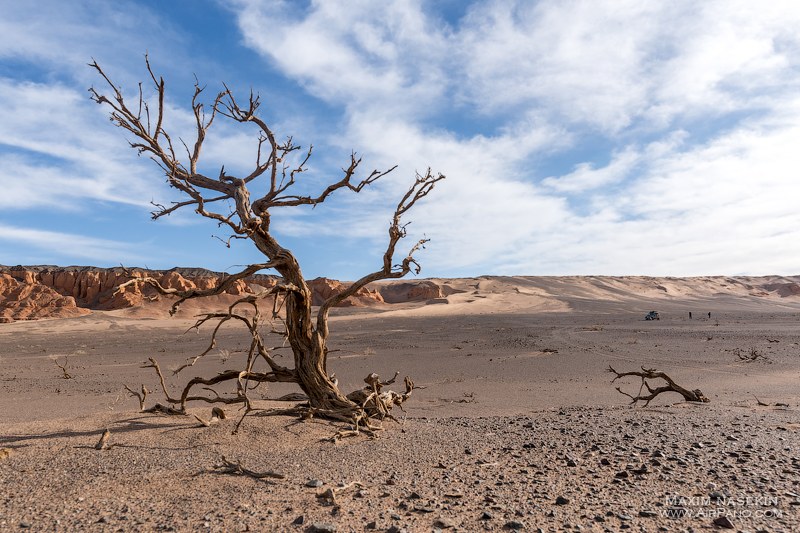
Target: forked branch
[
  {"x": 422, "y": 186},
  {"x": 695, "y": 395}
]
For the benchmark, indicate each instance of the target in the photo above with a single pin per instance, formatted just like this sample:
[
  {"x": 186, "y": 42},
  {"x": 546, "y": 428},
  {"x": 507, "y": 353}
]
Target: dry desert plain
[{"x": 518, "y": 426}]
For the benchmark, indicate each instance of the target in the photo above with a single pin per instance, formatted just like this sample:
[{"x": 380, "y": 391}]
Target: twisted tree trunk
[{"x": 306, "y": 335}]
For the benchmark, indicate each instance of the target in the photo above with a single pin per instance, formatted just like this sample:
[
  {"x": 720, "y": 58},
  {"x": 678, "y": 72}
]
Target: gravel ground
[{"x": 671, "y": 468}]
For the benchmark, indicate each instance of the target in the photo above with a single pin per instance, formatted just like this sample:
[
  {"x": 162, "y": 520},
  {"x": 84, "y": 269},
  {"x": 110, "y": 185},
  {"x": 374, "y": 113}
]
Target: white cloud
[
  {"x": 546, "y": 76},
  {"x": 58, "y": 244},
  {"x": 62, "y": 151}
]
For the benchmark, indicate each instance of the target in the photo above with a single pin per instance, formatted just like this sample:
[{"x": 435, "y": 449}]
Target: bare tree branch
[{"x": 695, "y": 395}]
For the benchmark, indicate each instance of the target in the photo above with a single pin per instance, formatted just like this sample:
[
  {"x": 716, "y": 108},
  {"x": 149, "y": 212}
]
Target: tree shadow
[{"x": 128, "y": 425}]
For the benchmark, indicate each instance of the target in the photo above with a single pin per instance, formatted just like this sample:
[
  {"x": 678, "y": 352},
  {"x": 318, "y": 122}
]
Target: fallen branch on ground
[
  {"x": 776, "y": 404},
  {"x": 695, "y": 395},
  {"x": 236, "y": 468},
  {"x": 752, "y": 355},
  {"x": 66, "y": 375}
]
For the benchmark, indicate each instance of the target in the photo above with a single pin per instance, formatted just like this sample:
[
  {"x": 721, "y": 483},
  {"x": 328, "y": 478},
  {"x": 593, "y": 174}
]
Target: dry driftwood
[
  {"x": 236, "y": 468},
  {"x": 695, "y": 395},
  {"x": 141, "y": 396},
  {"x": 103, "y": 444},
  {"x": 217, "y": 414},
  {"x": 65, "y": 373}
]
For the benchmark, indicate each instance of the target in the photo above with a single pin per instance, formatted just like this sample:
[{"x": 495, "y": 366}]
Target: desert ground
[{"x": 516, "y": 424}]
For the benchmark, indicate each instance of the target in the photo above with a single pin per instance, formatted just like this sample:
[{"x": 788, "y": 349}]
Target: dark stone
[{"x": 724, "y": 522}]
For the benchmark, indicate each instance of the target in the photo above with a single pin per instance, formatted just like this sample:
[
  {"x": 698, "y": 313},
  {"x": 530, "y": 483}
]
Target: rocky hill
[{"x": 33, "y": 292}]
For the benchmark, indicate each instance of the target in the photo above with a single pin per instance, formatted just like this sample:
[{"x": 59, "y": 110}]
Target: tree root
[
  {"x": 695, "y": 395},
  {"x": 378, "y": 404}
]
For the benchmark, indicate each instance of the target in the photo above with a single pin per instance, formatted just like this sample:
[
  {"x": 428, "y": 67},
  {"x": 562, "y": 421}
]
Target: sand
[{"x": 518, "y": 426}]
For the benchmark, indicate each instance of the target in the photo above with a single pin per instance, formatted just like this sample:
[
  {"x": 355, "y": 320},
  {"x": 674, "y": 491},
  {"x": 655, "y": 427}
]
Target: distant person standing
[
  {"x": 690, "y": 315},
  {"x": 709, "y": 315}
]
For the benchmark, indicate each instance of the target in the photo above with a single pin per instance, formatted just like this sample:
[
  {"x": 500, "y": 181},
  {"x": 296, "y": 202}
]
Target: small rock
[
  {"x": 299, "y": 520},
  {"x": 486, "y": 515},
  {"x": 514, "y": 525},
  {"x": 372, "y": 525},
  {"x": 561, "y": 500},
  {"x": 443, "y": 523},
  {"x": 716, "y": 496},
  {"x": 622, "y": 475},
  {"x": 25, "y": 524},
  {"x": 724, "y": 522},
  {"x": 648, "y": 514},
  {"x": 314, "y": 483}
]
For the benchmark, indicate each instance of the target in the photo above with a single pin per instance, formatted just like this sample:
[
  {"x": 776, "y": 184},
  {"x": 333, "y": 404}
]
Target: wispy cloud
[
  {"x": 58, "y": 245},
  {"x": 681, "y": 92}
]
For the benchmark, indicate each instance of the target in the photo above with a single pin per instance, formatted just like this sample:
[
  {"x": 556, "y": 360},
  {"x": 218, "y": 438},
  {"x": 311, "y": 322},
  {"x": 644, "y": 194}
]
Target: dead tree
[
  {"x": 229, "y": 200},
  {"x": 695, "y": 395}
]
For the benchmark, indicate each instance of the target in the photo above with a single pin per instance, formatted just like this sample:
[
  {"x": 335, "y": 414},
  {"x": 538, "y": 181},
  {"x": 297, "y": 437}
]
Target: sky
[{"x": 581, "y": 137}]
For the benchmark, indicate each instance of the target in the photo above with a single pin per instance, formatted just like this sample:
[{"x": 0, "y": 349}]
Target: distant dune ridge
[{"x": 43, "y": 291}]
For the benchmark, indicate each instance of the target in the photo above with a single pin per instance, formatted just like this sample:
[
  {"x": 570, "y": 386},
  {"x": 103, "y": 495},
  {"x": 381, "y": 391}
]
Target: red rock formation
[
  {"x": 43, "y": 291},
  {"x": 29, "y": 301},
  {"x": 410, "y": 291},
  {"x": 324, "y": 288}
]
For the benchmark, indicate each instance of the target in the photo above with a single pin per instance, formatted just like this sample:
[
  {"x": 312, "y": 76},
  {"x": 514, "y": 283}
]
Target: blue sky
[{"x": 585, "y": 137}]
